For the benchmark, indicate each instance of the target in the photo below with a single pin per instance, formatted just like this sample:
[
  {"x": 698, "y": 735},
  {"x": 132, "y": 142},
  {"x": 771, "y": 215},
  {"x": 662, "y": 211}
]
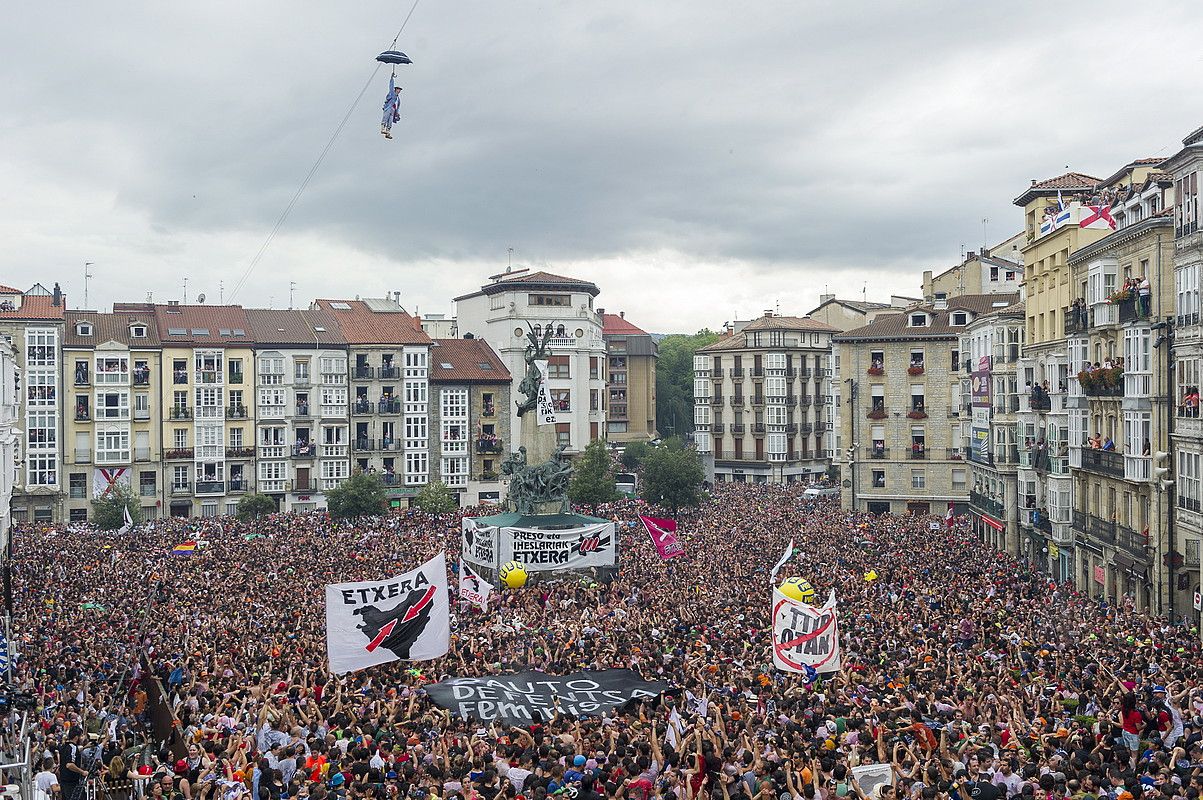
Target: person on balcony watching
[{"x": 1108, "y": 444}]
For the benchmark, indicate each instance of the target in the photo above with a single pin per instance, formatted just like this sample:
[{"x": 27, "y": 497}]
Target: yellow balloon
[
  {"x": 798, "y": 589},
  {"x": 513, "y": 574}
]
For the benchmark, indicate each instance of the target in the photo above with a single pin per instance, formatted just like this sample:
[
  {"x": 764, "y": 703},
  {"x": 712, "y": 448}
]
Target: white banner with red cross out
[{"x": 806, "y": 638}]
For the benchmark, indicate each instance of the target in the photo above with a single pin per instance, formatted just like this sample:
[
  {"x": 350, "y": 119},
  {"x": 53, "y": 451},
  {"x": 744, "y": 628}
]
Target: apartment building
[
  {"x": 993, "y": 270},
  {"x": 902, "y": 407},
  {"x": 990, "y": 348},
  {"x": 761, "y": 410},
  {"x": 302, "y": 427},
  {"x": 631, "y": 354},
  {"x": 470, "y": 392},
  {"x": 389, "y": 364},
  {"x": 207, "y": 399},
  {"x": 32, "y": 322},
  {"x": 1053, "y": 212},
  {"x": 10, "y": 437},
  {"x": 111, "y": 374},
  {"x": 1117, "y": 409},
  {"x": 506, "y": 308},
  {"x": 1184, "y": 536}
]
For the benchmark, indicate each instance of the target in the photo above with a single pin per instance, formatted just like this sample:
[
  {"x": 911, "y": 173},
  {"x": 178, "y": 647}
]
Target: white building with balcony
[
  {"x": 1117, "y": 387},
  {"x": 10, "y": 440},
  {"x": 1186, "y": 171},
  {"x": 303, "y": 426},
  {"x": 503, "y": 312}
]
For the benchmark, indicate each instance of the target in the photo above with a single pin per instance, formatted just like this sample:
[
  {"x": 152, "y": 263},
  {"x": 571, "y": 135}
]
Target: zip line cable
[{"x": 316, "y": 165}]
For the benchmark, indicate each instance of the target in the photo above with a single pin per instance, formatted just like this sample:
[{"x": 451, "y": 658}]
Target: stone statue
[
  {"x": 532, "y": 488},
  {"x": 536, "y": 350}
]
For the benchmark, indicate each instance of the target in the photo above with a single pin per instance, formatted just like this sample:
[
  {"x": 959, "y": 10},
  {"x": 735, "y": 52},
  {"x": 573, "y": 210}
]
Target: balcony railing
[
  {"x": 237, "y": 485},
  {"x": 387, "y": 443},
  {"x": 986, "y": 503},
  {"x": 302, "y": 410},
  {"x": 737, "y": 429},
  {"x": 141, "y": 414},
  {"x": 737, "y": 401},
  {"x": 1103, "y": 462},
  {"x": 1135, "y": 543},
  {"x": 178, "y": 454},
  {"x": 392, "y": 406},
  {"x": 237, "y": 411},
  {"x": 364, "y": 445},
  {"x": 389, "y": 373},
  {"x": 181, "y": 487},
  {"x": 717, "y": 429},
  {"x": 717, "y": 400},
  {"x": 82, "y": 377},
  {"x": 304, "y": 450},
  {"x": 488, "y": 446},
  {"x": 181, "y": 412},
  {"x": 758, "y": 429},
  {"x": 878, "y": 452},
  {"x": 917, "y": 453},
  {"x": 757, "y": 402},
  {"x": 363, "y": 373},
  {"x": 240, "y": 452},
  {"x": 210, "y": 486},
  {"x": 954, "y": 454},
  {"x": 736, "y": 373},
  {"x": 361, "y": 407},
  {"x": 757, "y": 372},
  {"x": 141, "y": 378},
  {"x": 235, "y": 376}
]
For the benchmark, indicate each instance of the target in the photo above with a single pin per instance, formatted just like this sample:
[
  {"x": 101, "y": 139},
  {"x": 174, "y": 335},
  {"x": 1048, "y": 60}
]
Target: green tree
[
  {"x": 592, "y": 479},
  {"x": 436, "y": 498},
  {"x": 255, "y": 505},
  {"x": 108, "y": 512},
  {"x": 634, "y": 453},
  {"x": 672, "y": 477},
  {"x": 674, "y": 381},
  {"x": 358, "y": 496}
]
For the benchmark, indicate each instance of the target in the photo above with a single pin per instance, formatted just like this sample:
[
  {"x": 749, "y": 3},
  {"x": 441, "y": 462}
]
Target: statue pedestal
[{"x": 539, "y": 440}]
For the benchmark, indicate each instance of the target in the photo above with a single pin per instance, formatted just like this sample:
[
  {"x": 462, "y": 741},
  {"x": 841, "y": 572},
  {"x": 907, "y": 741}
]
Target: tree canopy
[
  {"x": 672, "y": 477},
  {"x": 255, "y": 505},
  {"x": 360, "y": 495},
  {"x": 592, "y": 476},
  {"x": 108, "y": 512},
  {"x": 674, "y": 381},
  {"x": 436, "y": 497}
]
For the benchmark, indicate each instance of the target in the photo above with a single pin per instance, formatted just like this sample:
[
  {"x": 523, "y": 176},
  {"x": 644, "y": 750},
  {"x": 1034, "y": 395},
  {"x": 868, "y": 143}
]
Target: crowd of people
[{"x": 969, "y": 675}]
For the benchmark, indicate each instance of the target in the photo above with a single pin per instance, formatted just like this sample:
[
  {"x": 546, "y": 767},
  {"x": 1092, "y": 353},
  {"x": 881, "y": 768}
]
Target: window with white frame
[
  {"x": 415, "y": 363},
  {"x": 415, "y": 468},
  {"x": 701, "y": 389},
  {"x": 454, "y": 471},
  {"x": 335, "y": 469},
  {"x": 774, "y": 388},
  {"x": 236, "y": 438},
  {"x": 333, "y": 369},
  {"x": 415, "y": 392},
  {"x": 334, "y": 401},
  {"x": 179, "y": 438},
  {"x": 701, "y": 415},
  {"x": 271, "y": 402},
  {"x": 112, "y": 405},
  {"x": 1188, "y": 480},
  {"x": 958, "y": 479},
  {"x": 272, "y": 470},
  {"x": 41, "y": 430},
  {"x": 41, "y": 347},
  {"x": 334, "y": 435},
  {"x": 111, "y": 369},
  {"x": 209, "y": 401},
  {"x": 271, "y": 370},
  {"x": 41, "y": 389},
  {"x": 454, "y": 403},
  {"x": 41, "y": 469},
  {"x": 918, "y": 479},
  {"x": 112, "y": 446},
  {"x": 1186, "y": 283},
  {"x": 271, "y": 436},
  {"x": 179, "y": 477},
  {"x": 416, "y": 428}
]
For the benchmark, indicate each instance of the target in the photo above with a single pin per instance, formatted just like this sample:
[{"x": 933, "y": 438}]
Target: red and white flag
[
  {"x": 472, "y": 587},
  {"x": 664, "y": 536},
  {"x": 1097, "y": 217},
  {"x": 948, "y": 518}
]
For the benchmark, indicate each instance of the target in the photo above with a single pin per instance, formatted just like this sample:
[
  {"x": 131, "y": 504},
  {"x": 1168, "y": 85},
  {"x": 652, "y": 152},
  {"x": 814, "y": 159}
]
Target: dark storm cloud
[{"x": 775, "y": 146}]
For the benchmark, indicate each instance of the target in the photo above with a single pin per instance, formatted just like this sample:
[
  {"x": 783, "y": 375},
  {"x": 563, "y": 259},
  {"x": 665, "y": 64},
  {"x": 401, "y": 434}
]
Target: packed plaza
[{"x": 966, "y": 671}]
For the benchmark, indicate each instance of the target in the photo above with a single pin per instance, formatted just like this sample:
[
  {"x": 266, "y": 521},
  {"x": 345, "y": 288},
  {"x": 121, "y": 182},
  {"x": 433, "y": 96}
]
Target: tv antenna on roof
[{"x": 86, "y": 276}]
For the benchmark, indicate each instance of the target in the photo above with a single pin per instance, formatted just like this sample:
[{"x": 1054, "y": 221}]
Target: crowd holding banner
[{"x": 964, "y": 674}]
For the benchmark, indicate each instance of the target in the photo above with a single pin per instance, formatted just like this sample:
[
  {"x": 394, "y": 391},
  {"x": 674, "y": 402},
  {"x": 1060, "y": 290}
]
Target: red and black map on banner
[{"x": 405, "y": 618}]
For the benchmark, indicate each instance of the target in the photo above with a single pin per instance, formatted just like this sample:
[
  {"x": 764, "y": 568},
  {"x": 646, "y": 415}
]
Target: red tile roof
[
  {"x": 538, "y": 280},
  {"x": 9, "y": 290},
  {"x": 1071, "y": 181},
  {"x": 359, "y": 324},
  {"x": 302, "y": 327},
  {"x": 616, "y": 325},
  {"x": 203, "y": 325},
  {"x": 110, "y": 328},
  {"x": 37, "y": 306},
  {"x": 467, "y": 361}
]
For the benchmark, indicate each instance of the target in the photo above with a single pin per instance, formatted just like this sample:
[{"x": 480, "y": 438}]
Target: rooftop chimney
[
  {"x": 622, "y": 315},
  {"x": 601, "y": 311},
  {"x": 768, "y": 312},
  {"x": 826, "y": 298}
]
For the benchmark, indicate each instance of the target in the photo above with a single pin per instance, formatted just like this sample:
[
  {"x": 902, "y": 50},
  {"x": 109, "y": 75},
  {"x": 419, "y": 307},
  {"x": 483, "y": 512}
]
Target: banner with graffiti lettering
[
  {"x": 478, "y": 544},
  {"x": 472, "y": 587},
  {"x": 545, "y": 409},
  {"x": 806, "y": 638},
  {"x": 572, "y": 548},
  {"x": 406, "y": 618}
]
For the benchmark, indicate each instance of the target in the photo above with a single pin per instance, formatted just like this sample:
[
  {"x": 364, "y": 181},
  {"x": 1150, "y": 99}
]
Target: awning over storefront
[{"x": 991, "y": 521}]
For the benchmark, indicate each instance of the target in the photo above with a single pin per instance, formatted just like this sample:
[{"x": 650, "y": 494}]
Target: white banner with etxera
[
  {"x": 487, "y": 546},
  {"x": 406, "y": 618}
]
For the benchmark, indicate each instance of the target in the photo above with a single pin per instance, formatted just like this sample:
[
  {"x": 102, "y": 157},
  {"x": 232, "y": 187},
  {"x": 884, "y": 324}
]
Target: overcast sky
[{"x": 697, "y": 160}]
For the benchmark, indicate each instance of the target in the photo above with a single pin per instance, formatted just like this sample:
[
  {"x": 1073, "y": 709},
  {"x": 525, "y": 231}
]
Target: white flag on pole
[
  {"x": 789, "y": 551},
  {"x": 472, "y": 587},
  {"x": 406, "y": 618}
]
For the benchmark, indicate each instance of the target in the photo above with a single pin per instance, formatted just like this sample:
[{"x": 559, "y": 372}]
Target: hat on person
[
  {"x": 1160, "y": 689},
  {"x": 337, "y": 779},
  {"x": 578, "y": 761}
]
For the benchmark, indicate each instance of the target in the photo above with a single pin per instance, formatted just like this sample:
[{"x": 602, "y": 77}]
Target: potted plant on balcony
[
  {"x": 877, "y": 371},
  {"x": 877, "y": 413},
  {"x": 914, "y": 369},
  {"x": 1113, "y": 379},
  {"x": 1088, "y": 381},
  {"x": 916, "y": 413}
]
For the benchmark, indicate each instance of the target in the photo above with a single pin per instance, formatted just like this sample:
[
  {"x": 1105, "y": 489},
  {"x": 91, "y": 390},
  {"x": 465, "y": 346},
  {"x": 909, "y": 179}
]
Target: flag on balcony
[
  {"x": 184, "y": 549},
  {"x": 1097, "y": 217},
  {"x": 664, "y": 536}
]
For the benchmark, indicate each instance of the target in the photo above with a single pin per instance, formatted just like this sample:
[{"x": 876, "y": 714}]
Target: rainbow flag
[{"x": 184, "y": 549}]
